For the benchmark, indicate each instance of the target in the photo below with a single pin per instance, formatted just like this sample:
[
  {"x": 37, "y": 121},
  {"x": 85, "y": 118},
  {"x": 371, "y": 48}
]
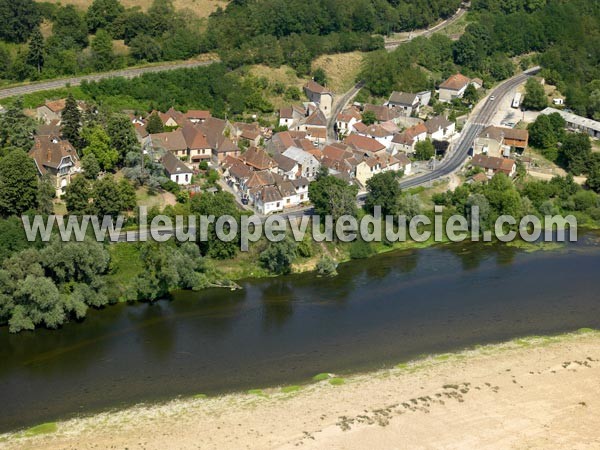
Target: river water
[{"x": 375, "y": 313}]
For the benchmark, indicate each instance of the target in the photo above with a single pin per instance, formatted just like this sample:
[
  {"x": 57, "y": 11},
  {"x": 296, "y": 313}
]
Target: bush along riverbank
[{"x": 48, "y": 284}]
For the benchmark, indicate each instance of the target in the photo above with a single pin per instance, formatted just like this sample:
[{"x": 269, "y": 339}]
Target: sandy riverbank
[{"x": 533, "y": 393}]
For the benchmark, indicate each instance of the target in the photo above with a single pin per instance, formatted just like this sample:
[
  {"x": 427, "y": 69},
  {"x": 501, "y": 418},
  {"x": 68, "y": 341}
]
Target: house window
[
  {"x": 186, "y": 177},
  {"x": 301, "y": 196},
  {"x": 278, "y": 204},
  {"x": 288, "y": 200},
  {"x": 176, "y": 178}
]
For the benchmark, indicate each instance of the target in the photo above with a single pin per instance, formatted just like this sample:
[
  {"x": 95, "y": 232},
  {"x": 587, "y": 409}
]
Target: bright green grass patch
[
  {"x": 49, "y": 427},
  {"x": 289, "y": 389},
  {"x": 200, "y": 396},
  {"x": 585, "y": 330},
  {"x": 336, "y": 381},
  {"x": 402, "y": 366},
  {"x": 258, "y": 392},
  {"x": 125, "y": 263},
  {"x": 321, "y": 377}
]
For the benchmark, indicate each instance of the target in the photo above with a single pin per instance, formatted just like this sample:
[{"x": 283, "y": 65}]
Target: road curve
[
  {"x": 479, "y": 119},
  {"x": 392, "y": 45},
  {"x": 339, "y": 107},
  {"x": 75, "y": 81}
]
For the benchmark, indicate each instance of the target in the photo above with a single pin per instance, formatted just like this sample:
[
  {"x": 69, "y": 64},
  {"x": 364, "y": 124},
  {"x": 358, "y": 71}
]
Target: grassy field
[
  {"x": 202, "y": 8},
  {"x": 342, "y": 69}
]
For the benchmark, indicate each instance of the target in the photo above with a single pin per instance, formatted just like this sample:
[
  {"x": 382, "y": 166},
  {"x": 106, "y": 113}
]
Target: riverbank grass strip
[
  {"x": 321, "y": 377},
  {"x": 337, "y": 381},
  {"x": 258, "y": 392},
  {"x": 290, "y": 389},
  {"x": 44, "y": 428}
]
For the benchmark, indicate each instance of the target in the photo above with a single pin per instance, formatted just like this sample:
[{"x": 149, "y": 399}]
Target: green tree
[
  {"x": 37, "y": 302},
  {"x": 326, "y": 266},
  {"x": 16, "y": 129},
  {"x": 102, "y": 14},
  {"x": 98, "y": 144},
  {"x": 219, "y": 204},
  {"x": 145, "y": 48},
  {"x": 383, "y": 189},
  {"x": 122, "y": 135},
  {"x": 103, "y": 56},
  {"x": 127, "y": 195},
  {"x": 279, "y": 256},
  {"x": 535, "y": 97},
  {"x": 154, "y": 124},
  {"x": 110, "y": 198},
  {"x": 545, "y": 131},
  {"x": 471, "y": 95},
  {"x": 90, "y": 166},
  {"x": 69, "y": 28},
  {"x": 424, "y": 150},
  {"x": 77, "y": 196},
  {"x": 35, "y": 55},
  {"x": 576, "y": 150},
  {"x": 71, "y": 122},
  {"x": 18, "y": 19},
  {"x": 320, "y": 76},
  {"x": 332, "y": 196},
  {"x": 46, "y": 193},
  {"x": 18, "y": 184},
  {"x": 368, "y": 117}
]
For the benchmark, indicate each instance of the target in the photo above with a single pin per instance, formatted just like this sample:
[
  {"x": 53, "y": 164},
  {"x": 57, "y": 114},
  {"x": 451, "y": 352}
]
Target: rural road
[
  {"x": 76, "y": 81},
  {"x": 480, "y": 118},
  {"x": 393, "y": 44},
  {"x": 339, "y": 107}
]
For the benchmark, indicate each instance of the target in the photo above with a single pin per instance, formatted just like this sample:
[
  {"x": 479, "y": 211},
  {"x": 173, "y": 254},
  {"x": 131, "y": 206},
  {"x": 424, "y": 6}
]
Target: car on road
[{"x": 492, "y": 98}]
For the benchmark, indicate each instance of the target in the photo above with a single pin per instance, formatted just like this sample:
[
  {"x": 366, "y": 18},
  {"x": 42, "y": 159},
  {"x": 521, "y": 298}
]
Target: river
[{"x": 284, "y": 330}]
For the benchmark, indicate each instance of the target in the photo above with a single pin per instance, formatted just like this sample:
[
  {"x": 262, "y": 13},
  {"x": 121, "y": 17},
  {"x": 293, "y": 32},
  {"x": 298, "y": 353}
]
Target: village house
[
  {"x": 249, "y": 132},
  {"x": 363, "y": 143},
  {"x": 176, "y": 170},
  {"x": 346, "y": 119},
  {"x": 383, "y": 113},
  {"x": 315, "y": 126},
  {"x": 290, "y": 116},
  {"x": 319, "y": 95},
  {"x": 577, "y": 123},
  {"x": 197, "y": 115},
  {"x": 440, "y": 129},
  {"x": 408, "y": 103},
  {"x": 52, "y": 110},
  {"x": 405, "y": 142},
  {"x": 453, "y": 87},
  {"x": 57, "y": 159},
  {"x": 309, "y": 165},
  {"x": 498, "y": 141},
  {"x": 187, "y": 143},
  {"x": 171, "y": 142},
  {"x": 172, "y": 118},
  {"x": 286, "y": 167},
  {"x": 382, "y": 132},
  {"x": 259, "y": 159},
  {"x": 236, "y": 174},
  {"x": 493, "y": 165},
  {"x": 199, "y": 149}
]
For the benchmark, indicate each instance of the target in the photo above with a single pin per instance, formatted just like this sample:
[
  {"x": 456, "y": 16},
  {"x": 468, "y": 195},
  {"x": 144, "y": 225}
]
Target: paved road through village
[{"x": 480, "y": 118}]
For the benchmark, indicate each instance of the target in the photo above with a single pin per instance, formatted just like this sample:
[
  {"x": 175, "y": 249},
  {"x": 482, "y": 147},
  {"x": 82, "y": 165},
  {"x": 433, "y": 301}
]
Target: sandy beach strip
[{"x": 530, "y": 393}]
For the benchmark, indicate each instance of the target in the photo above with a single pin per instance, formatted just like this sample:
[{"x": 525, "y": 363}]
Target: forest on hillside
[
  {"x": 272, "y": 32},
  {"x": 562, "y": 37}
]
